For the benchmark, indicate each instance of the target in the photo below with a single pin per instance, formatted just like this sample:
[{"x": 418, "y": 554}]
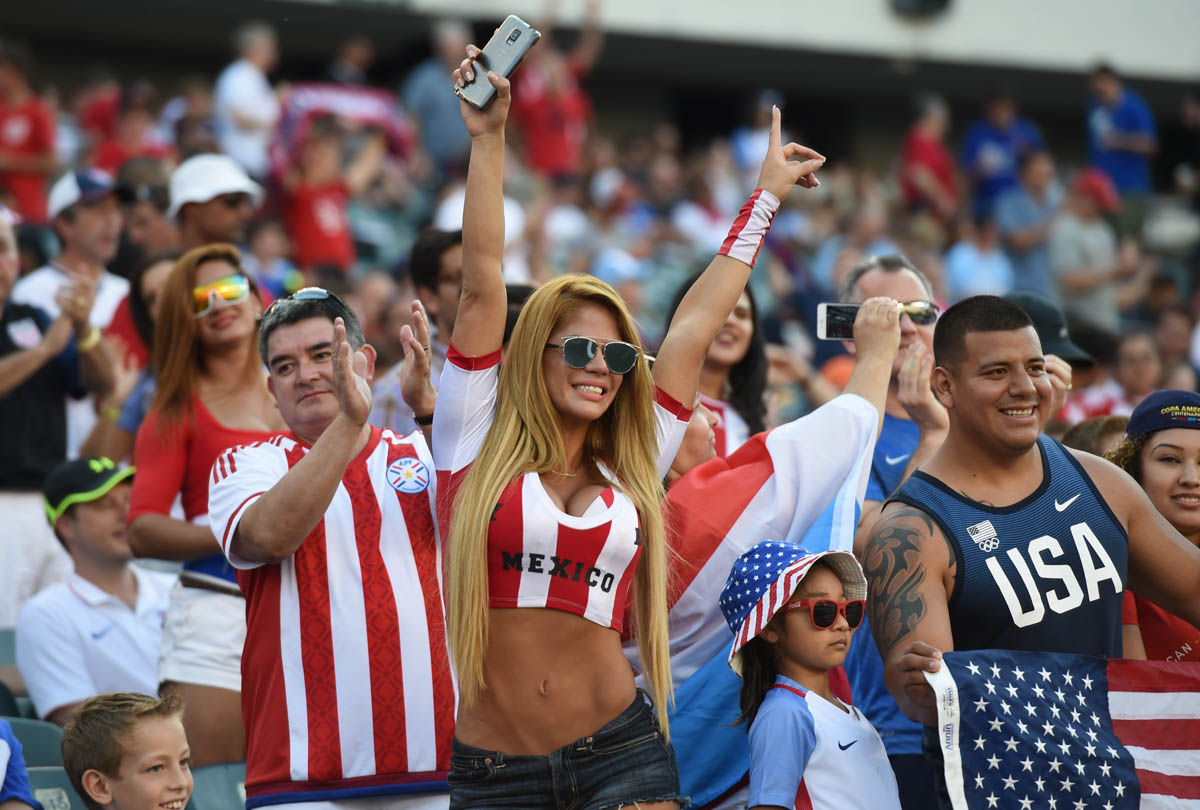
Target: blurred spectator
[
  {"x": 317, "y": 190},
  {"x": 1173, "y": 333},
  {"x": 99, "y": 631},
  {"x": 245, "y": 108},
  {"x": 1121, "y": 133},
  {"x": 748, "y": 143},
  {"x": 428, "y": 95},
  {"x": 1181, "y": 376},
  {"x": 143, "y": 183},
  {"x": 1024, "y": 217},
  {"x": 40, "y": 364},
  {"x": 436, "y": 270},
  {"x": 1094, "y": 391},
  {"x": 267, "y": 259},
  {"x": 213, "y": 200},
  {"x": 1096, "y": 435},
  {"x": 976, "y": 265},
  {"x": 352, "y": 62},
  {"x": 87, "y": 218},
  {"x": 1139, "y": 369},
  {"x": 187, "y": 118},
  {"x": 15, "y": 790},
  {"x": 550, "y": 109},
  {"x": 866, "y": 235},
  {"x": 134, "y": 134},
  {"x": 1083, "y": 252},
  {"x": 927, "y": 179},
  {"x": 26, "y": 136},
  {"x": 993, "y": 148}
]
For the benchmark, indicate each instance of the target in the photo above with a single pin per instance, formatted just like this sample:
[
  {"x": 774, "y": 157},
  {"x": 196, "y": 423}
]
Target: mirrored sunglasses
[
  {"x": 619, "y": 356},
  {"x": 922, "y": 313},
  {"x": 232, "y": 289},
  {"x": 824, "y": 612},
  {"x": 302, "y": 294}
]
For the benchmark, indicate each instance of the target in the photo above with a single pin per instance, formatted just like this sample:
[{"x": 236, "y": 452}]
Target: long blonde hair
[{"x": 525, "y": 437}]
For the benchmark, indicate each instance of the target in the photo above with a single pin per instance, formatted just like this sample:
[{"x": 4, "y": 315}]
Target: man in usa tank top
[{"x": 1004, "y": 538}]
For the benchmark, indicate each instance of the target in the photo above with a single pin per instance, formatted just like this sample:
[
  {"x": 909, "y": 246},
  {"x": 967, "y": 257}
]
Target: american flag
[{"x": 1050, "y": 731}]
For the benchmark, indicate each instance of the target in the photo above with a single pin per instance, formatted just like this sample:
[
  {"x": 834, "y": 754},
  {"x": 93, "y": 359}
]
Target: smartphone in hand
[
  {"x": 503, "y": 52},
  {"x": 836, "y": 321}
]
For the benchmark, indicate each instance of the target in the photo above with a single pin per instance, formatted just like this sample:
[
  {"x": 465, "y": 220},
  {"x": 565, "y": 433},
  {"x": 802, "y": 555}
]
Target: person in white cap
[
  {"x": 213, "y": 200},
  {"x": 794, "y": 614},
  {"x": 86, "y": 217}
]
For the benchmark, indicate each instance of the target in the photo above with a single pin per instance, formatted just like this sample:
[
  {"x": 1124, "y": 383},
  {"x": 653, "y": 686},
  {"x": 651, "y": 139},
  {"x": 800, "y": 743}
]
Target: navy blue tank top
[{"x": 1046, "y": 573}]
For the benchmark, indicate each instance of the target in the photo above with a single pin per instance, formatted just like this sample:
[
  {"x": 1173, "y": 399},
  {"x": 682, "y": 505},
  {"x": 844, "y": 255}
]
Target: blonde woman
[{"x": 551, "y": 470}]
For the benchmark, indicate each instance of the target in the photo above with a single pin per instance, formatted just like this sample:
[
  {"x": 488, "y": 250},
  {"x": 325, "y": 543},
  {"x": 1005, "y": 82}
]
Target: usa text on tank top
[{"x": 1046, "y": 573}]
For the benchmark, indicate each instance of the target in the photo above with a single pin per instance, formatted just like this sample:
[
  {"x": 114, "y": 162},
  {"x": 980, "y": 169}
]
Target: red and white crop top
[{"x": 538, "y": 555}]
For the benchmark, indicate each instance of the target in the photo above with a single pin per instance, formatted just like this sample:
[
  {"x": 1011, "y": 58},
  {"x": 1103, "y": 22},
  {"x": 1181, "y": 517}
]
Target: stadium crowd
[{"x": 261, "y": 456}]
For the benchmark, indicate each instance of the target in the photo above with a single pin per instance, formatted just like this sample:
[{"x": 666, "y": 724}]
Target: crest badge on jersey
[
  {"x": 408, "y": 475},
  {"x": 984, "y": 535}
]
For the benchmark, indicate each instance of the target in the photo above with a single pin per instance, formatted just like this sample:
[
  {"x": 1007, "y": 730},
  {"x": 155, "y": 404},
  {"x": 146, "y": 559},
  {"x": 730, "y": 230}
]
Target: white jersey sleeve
[
  {"x": 465, "y": 408},
  {"x": 239, "y": 477}
]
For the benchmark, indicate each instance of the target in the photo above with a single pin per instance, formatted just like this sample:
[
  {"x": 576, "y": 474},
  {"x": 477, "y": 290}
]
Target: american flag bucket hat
[{"x": 764, "y": 578}]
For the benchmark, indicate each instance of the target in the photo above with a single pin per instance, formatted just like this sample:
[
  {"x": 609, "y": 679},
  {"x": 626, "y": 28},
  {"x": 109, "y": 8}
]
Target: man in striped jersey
[{"x": 347, "y": 692}]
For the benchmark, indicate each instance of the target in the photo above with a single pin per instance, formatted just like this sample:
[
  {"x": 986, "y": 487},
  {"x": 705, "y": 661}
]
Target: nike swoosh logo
[
  {"x": 894, "y": 460},
  {"x": 102, "y": 632},
  {"x": 847, "y": 745},
  {"x": 1061, "y": 506}
]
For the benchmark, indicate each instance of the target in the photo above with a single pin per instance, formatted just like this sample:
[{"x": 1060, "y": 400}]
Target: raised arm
[
  {"x": 483, "y": 305},
  {"x": 709, "y": 301},
  {"x": 910, "y": 571}
]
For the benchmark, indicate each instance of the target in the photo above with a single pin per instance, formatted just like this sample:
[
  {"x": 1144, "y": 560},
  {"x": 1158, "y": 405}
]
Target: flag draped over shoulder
[{"x": 1028, "y": 731}]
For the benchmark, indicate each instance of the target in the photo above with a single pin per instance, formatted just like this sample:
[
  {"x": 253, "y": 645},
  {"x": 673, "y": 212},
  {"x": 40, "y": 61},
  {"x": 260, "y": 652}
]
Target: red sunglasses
[{"x": 824, "y": 612}]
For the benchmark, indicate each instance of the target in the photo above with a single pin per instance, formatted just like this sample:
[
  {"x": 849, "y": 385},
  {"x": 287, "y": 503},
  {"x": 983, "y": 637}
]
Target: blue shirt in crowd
[
  {"x": 1129, "y": 171},
  {"x": 1017, "y": 210},
  {"x": 15, "y": 779},
  {"x": 992, "y": 157}
]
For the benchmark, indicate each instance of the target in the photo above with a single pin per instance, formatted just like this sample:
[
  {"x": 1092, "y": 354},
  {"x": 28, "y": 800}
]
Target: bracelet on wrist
[
  {"x": 750, "y": 228},
  {"x": 424, "y": 421},
  {"x": 89, "y": 341},
  {"x": 110, "y": 412}
]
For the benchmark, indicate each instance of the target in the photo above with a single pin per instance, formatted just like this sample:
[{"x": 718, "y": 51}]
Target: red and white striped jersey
[
  {"x": 774, "y": 487},
  {"x": 346, "y": 681},
  {"x": 731, "y": 430},
  {"x": 538, "y": 555}
]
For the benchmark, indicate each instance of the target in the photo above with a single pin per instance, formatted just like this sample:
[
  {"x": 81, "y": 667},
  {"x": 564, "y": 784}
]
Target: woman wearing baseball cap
[
  {"x": 1161, "y": 450},
  {"x": 793, "y": 614}
]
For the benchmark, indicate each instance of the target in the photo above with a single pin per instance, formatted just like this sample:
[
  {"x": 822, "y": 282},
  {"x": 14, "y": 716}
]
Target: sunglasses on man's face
[
  {"x": 922, "y": 313},
  {"x": 236, "y": 200},
  {"x": 619, "y": 356},
  {"x": 824, "y": 612},
  {"x": 232, "y": 289}
]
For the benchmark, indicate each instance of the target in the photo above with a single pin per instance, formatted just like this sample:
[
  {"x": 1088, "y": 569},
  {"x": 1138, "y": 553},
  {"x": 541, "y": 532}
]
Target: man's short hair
[
  {"x": 251, "y": 34},
  {"x": 426, "y": 258},
  {"x": 298, "y": 307},
  {"x": 1105, "y": 70},
  {"x": 97, "y": 733},
  {"x": 979, "y": 313},
  {"x": 849, "y": 293}
]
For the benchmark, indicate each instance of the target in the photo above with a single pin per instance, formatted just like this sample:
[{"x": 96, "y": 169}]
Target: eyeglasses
[
  {"x": 232, "y": 289},
  {"x": 824, "y": 612},
  {"x": 578, "y": 352},
  {"x": 922, "y": 313}
]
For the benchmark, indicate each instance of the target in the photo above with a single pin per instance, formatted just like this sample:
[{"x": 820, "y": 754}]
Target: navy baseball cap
[
  {"x": 1165, "y": 409},
  {"x": 79, "y": 187},
  {"x": 83, "y": 480}
]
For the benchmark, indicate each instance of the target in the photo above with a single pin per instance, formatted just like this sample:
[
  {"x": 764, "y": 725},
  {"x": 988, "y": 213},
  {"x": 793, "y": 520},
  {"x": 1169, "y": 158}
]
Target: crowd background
[{"x": 1087, "y": 193}]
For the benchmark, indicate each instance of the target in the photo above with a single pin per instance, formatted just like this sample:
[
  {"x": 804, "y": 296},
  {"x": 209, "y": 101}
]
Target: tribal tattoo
[{"x": 895, "y": 573}]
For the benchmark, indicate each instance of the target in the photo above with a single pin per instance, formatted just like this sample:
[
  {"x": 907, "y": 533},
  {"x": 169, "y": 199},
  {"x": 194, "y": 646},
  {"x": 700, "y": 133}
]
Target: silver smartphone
[
  {"x": 836, "y": 321},
  {"x": 501, "y": 55}
]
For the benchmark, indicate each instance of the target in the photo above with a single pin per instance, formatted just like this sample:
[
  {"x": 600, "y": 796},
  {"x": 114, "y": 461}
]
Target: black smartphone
[{"x": 503, "y": 52}]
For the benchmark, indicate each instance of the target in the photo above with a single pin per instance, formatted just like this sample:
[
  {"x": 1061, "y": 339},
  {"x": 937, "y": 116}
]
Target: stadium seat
[
  {"x": 218, "y": 787},
  {"x": 53, "y": 789},
  {"x": 42, "y": 741},
  {"x": 8, "y": 704},
  {"x": 8, "y": 647}
]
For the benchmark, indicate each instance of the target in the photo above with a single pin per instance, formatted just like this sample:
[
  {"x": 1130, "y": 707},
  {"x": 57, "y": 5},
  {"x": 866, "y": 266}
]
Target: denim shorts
[{"x": 627, "y": 761}]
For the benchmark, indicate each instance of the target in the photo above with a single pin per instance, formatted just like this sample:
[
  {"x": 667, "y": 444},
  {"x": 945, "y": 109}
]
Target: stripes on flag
[{"x": 1033, "y": 730}]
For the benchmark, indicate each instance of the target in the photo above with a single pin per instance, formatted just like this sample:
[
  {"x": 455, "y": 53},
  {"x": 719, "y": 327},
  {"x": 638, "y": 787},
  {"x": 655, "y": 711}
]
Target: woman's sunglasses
[
  {"x": 232, "y": 289},
  {"x": 579, "y": 351},
  {"x": 824, "y": 612}
]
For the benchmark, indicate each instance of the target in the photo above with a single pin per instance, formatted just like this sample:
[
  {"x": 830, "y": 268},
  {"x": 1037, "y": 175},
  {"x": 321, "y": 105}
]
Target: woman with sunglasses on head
[
  {"x": 211, "y": 395},
  {"x": 793, "y": 614},
  {"x": 1161, "y": 450},
  {"x": 733, "y": 378},
  {"x": 552, "y": 469}
]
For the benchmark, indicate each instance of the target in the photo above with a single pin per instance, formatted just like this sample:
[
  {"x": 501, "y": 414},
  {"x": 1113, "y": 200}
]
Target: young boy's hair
[{"x": 96, "y": 735}]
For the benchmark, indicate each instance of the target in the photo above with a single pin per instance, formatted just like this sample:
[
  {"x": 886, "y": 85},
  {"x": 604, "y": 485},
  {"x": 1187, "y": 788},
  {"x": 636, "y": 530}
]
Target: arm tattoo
[{"x": 895, "y": 574}]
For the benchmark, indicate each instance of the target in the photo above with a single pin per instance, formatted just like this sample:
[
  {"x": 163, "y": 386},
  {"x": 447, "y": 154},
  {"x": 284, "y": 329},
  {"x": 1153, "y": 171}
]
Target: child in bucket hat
[{"x": 793, "y": 614}]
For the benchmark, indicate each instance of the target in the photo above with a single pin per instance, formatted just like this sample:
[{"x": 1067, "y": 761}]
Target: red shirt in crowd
[
  {"x": 122, "y": 326},
  {"x": 316, "y": 222},
  {"x": 931, "y": 153},
  {"x": 553, "y": 124},
  {"x": 26, "y": 130},
  {"x": 1165, "y": 636}
]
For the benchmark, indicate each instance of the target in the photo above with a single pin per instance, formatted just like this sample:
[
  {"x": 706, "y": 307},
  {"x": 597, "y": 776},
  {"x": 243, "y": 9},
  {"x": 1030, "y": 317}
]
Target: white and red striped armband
[{"x": 750, "y": 228}]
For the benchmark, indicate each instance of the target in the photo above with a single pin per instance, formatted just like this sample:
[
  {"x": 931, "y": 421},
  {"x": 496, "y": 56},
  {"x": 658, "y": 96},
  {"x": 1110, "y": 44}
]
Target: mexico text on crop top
[{"x": 538, "y": 555}]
